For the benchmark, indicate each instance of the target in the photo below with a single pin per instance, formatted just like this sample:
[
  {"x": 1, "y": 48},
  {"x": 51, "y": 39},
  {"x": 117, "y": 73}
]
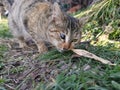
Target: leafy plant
[{"x": 104, "y": 13}]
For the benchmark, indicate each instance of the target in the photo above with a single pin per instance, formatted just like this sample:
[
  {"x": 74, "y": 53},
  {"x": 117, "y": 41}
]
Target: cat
[
  {"x": 6, "y": 5},
  {"x": 37, "y": 21}
]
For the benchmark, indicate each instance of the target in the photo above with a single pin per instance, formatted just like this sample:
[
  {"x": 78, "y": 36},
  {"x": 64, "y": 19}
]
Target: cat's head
[{"x": 64, "y": 30}]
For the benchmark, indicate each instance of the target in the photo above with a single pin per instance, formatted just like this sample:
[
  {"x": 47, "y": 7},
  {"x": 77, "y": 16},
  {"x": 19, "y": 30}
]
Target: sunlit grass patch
[{"x": 4, "y": 30}]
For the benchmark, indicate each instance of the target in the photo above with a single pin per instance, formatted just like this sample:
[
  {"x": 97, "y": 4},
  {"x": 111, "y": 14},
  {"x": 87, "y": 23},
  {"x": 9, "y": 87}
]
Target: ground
[{"x": 26, "y": 70}]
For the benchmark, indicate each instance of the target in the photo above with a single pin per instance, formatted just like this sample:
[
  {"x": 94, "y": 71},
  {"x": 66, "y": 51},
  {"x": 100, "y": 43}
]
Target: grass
[
  {"x": 63, "y": 72},
  {"x": 98, "y": 77},
  {"x": 4, "y": 32},
  {"x": 104, "y": 13}
]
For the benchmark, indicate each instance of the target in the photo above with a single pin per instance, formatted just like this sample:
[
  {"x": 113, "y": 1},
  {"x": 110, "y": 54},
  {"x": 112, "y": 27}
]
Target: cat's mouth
[
  {"x": 65, "y": 47},
  {"x": 63, "y": 50}
]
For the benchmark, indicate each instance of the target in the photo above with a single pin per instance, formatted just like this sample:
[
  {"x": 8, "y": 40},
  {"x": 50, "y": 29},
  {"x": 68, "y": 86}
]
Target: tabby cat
[{"x": 41, "y": 22}]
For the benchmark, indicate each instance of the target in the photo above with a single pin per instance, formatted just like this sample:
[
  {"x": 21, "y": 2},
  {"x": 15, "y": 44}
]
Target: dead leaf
[{"x": 92, "y": 56}]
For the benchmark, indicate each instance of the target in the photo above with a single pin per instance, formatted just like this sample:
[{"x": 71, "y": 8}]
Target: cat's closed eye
[{"x": 74, "y": 40}]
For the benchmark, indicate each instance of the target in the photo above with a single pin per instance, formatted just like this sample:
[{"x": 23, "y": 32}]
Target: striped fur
[{"x": 43, "y": 22}]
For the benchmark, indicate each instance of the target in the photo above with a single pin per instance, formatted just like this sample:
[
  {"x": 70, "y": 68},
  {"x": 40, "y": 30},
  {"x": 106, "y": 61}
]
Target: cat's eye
[
  {"x": 74, "y": 40},
  {"x": 62, "y": 36}
]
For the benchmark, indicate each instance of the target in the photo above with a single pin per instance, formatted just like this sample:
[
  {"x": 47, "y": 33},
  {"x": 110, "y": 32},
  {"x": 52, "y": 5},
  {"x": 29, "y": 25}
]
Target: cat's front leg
[
  {"x": 42, "y": 48},
  {"x": 22, "y": 44}
]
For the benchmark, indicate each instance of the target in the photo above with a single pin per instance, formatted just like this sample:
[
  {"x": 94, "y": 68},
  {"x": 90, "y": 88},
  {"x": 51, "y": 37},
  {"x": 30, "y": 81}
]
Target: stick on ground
[{"x": 92, "y": 56}]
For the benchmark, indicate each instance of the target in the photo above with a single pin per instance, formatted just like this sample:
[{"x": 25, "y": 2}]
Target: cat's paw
[
  {"x": 42, "y": 48},
  {"x": 30, "y": 42},
  {"x": 22, "y": 45}
]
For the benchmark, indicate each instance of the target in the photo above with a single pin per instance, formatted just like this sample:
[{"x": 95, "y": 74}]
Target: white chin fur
[{"x": 6, "y": 13}]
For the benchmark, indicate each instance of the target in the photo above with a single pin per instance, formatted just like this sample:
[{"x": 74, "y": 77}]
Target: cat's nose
[{"x": 66, "y": 46}]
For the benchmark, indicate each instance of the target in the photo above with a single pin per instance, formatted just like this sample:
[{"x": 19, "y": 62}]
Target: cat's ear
[
  {"x": 56, "y": 8},
  {"x": 83, "y": 20},
  {"x": 56, "y": 13}
]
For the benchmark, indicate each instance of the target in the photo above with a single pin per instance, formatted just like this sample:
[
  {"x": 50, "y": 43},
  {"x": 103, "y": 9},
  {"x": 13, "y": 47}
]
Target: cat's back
[
  {"x": 18, "y": 9},
  {"x": 23, "y": 8}
]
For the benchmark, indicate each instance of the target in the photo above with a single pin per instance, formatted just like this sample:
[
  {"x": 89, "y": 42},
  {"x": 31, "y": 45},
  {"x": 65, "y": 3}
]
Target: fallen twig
[
  {"x": 92, "y": 56},
  {"x": 10, "y": 87}
]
